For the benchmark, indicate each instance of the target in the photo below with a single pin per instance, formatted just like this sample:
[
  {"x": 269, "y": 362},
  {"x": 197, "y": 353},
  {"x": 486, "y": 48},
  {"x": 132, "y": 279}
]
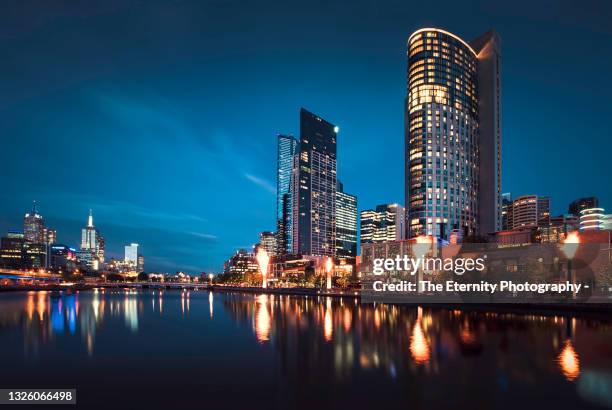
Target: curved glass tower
[{"x": 448, "y": 175}]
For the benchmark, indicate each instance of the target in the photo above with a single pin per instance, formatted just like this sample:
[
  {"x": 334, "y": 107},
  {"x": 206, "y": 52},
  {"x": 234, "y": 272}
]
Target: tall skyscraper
[
  {"x": 91, "y": 240},
  {"x": 453, "y": 134},
  {"x": 286, "y": 150},
  {"x": 346, "y": 223},
  {"x": 131, "y": 254},
  {"x": 386, "y": 223},
  {"x": 33, "y": 226},
  {"x": 314, "y": 188}
]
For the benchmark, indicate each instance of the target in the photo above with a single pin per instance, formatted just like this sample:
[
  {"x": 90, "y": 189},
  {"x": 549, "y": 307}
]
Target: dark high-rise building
[
  {"x": 314, "y": 188},
  {"x": 583, "y": 203},
  {"x": 453, "y": 134},
  {"x": 506, "y": 211},
  {"x": 33, "y": 226},
  {"x": 346, "y": 223},
  {"x": 286, "y": 150},
  {"x": 12, "y": 251}
]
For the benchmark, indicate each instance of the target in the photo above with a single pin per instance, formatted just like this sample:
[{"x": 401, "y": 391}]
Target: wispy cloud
[
  {"x": 261, "y": 182},
  {"x": 203, "y": 235}
]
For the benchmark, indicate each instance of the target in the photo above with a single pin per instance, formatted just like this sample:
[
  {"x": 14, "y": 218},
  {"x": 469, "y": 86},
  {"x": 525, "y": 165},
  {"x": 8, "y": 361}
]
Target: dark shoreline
[{"x": 596, "y": 310}]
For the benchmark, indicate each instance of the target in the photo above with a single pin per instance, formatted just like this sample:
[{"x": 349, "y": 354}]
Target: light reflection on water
[{"x": 336, "y": 342}]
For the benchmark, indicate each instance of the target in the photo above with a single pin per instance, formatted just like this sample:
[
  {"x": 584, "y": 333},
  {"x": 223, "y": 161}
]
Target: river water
[{"x": 198, "y": 349}]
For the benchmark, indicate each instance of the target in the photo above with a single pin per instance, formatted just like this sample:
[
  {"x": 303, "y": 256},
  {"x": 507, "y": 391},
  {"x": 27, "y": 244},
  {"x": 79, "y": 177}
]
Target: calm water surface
[{"x": 219, "y": 350}]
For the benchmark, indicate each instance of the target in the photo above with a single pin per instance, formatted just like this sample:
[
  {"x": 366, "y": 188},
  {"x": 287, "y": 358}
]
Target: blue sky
[{"x": 162, "y": 116}]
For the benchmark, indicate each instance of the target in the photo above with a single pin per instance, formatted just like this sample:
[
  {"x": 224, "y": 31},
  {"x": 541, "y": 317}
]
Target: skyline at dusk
[{"x": 165, "y": 123}]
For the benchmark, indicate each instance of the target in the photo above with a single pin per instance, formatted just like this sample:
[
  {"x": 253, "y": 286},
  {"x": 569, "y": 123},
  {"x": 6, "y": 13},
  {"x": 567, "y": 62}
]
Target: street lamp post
[{"x": 569, "y": 249}]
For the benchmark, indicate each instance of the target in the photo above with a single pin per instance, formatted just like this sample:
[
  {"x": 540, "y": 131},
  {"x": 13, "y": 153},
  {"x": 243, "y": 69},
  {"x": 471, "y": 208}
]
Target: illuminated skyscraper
[
  {"x": 314, "y": 188},
  {"x": 386, "y": 223},
  {"x": 131, "y": 254},
  {"x": 286, "y": 150},
  {"x": 453, "y": 134},
  {"x": 33, "y": 226},
  {"x": 268, "y": 241},
  {"x": 346, "y": 223},
  {"x": 92, "y": 243}
]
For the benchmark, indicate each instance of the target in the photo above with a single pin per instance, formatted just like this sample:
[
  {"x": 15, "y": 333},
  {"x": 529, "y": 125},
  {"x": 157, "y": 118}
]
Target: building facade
[
  {"x": 268, "y": 241},
  {"x": 530, "y": 211},
  {"x": 592, "y": 219},
  {"x": 314, "y": 188},
  {"x": 91, "y": 242},
  {"x": 286, "y": 150},
  {"x": 346, "y": 223},
  {"x": 506, "y": 211},
  {"x": 582, "y": 203},
  {"x": 33, "y": 226},
  {"x": 453, "y": 134},
  {"x": 383, "y": 224},
  {"x": 131, "y": 254}
]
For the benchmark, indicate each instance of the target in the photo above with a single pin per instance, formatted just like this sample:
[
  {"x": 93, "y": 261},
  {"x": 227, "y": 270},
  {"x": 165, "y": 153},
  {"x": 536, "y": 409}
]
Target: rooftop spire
[
  {"x": 34, "y": 207},
  {"x": 90, "y": 219}
]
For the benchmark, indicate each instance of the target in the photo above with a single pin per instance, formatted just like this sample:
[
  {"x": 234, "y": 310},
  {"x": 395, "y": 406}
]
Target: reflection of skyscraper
[
  {"x": 314, "y": 188},
  {"x": 453, "y": 134},
  {"x": 33, "y": 226},
  {"x": 287, "y": 146},
  {"x": 346, "y": 223}
]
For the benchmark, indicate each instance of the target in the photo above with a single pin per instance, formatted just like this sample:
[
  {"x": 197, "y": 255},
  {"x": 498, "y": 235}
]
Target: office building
[
  {"x": 12, "y": 253},
  {"x": 314, "y": 188},
  {"x": 592, "y": 219},
  {"x": 131, "y": 254},
  {"x": 241, "y": 263},
  {"x": 268, "y": 241},
  {"x": 383, "y": 224},
  {"x": 346, "y": 223},
  {"x": 33, "y": 226},
  {"x": 506, "y": 211},
  {"x": 140, "y": 265},
  {"x": 582, "y": 203},
  {"x": 286, "y": 150},
  {"x": 530, "y": 211},
  {"x": 91, "y": 241},
  {"x": 49, "y": 236},
  {"x": 453, "y": 134}
]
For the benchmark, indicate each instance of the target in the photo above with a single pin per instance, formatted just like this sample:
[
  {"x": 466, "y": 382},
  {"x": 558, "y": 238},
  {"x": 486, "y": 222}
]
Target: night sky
[{"x": 163, "y": 116}]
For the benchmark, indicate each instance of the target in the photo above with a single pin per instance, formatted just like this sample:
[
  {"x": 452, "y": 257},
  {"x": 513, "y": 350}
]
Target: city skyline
[{"x": 179, "y": 217}]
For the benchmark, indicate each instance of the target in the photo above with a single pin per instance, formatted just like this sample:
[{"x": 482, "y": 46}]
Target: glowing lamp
[{"x": 570, "y": 245}]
